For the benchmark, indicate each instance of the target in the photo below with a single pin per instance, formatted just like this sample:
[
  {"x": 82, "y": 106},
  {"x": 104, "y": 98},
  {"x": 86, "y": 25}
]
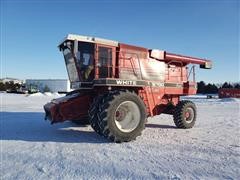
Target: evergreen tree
[
  {"x": 206, "y": 89},
  {"x": 201, "y": 87},
  {"x": 237, "y": 85},
  {"x": 227, "y": 85},
  {"x": 46, "y": 89},
  {"x": 2, "y": 86}
]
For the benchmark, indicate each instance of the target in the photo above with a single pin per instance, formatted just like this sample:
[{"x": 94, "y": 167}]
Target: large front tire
[
  {"x": 93, "y": 114},
  {"x": 121, "y": 116},
  {"x": 185, "y": 114}
]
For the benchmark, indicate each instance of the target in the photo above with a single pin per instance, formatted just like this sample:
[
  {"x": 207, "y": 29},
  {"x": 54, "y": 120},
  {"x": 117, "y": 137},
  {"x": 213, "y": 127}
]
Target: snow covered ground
[{"x": 31, "y": 148}]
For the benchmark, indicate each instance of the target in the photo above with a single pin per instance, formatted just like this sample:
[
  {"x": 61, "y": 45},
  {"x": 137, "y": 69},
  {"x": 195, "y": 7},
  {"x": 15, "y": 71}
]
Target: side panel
[
  {"x": 175, "y": 72},
  {"x": 153, "y": 69},
  {"x": 157, "y": 101},
  {"x": 134, "y": 63},
  {"x": 129, "y": 62}
]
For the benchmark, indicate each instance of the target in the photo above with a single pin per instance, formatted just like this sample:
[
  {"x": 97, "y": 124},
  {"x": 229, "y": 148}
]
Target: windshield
[
  {"x": 70, "y": 64},
  {"x": 85, "y": 60},
  {"x": 81, "y": 67}
]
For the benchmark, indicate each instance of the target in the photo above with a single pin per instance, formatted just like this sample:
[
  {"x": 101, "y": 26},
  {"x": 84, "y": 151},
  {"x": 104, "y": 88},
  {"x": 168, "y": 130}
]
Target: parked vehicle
[{"x": 119, "y": 85}]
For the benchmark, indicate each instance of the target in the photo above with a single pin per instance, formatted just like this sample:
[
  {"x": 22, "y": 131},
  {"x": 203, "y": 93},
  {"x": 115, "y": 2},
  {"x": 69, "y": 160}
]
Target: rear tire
[
  {"x": 185, "y": 114},
  {"x": 121, "y": 116}
]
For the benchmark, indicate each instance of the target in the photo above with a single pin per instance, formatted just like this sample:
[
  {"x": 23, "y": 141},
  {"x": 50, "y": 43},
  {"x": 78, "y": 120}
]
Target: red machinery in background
[
  {"x": 118, "y": 85},
  {"x": 229, "y": 93}
]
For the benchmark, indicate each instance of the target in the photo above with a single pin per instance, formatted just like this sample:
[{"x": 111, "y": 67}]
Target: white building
[{"x": 54, "y": 85}]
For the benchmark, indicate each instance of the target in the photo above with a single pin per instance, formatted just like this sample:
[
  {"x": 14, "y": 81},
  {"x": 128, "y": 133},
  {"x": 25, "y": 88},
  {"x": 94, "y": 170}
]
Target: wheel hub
[
  {"x": 127, "y": 116},
  {"x": 121, "y": 113},
  {"x": 189, "y": 115}
]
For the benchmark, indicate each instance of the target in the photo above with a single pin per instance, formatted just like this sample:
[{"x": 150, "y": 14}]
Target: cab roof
[{"x": 89, "y": 39}]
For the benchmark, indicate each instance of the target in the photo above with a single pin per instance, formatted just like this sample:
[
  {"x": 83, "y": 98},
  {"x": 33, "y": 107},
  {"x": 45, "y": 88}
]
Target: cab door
[{"x": 105, "y": 61}]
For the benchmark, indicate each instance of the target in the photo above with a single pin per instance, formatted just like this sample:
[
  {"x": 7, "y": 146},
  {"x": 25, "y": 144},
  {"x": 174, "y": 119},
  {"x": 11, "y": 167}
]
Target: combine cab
[{"x": 117, "y": 86}]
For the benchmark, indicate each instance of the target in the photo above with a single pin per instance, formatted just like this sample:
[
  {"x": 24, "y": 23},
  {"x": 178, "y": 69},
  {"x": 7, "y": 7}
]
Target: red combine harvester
[
  {"x": 117, "y": 86},
  {"x": 229, "y": 93}
]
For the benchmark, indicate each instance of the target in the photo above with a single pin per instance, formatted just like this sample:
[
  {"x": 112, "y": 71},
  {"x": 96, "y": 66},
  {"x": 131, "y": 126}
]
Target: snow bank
[
  {"x": 35, "y": 94},
  {"x": 57, "y": 94},
  {"x": 229, "y": 100},
  {"x": 48, "y": 94},
  {"x": 213, "y": 100}
]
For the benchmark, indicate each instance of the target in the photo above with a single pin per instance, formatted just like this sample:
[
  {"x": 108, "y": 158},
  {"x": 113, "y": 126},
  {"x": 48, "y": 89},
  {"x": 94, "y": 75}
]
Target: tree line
[
  {"x": 212, "y": 88},
  {"x": 13, "y": 87},
  {"x": 203, "y": 88},
  {"x": 9, "y": 86}
]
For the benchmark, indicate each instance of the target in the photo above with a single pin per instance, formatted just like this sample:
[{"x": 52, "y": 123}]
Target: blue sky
[{"x": 31, "y": 31}]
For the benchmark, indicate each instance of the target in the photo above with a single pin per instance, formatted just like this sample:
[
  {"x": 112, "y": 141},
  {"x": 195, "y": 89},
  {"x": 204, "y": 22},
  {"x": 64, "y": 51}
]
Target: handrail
[
  {"x": 131, "y": 61},
  {"x": 192, "y": 71}
]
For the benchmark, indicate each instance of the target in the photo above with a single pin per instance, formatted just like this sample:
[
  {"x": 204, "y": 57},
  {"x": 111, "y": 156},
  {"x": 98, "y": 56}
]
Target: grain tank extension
[{"x": 117, "y": 86}]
